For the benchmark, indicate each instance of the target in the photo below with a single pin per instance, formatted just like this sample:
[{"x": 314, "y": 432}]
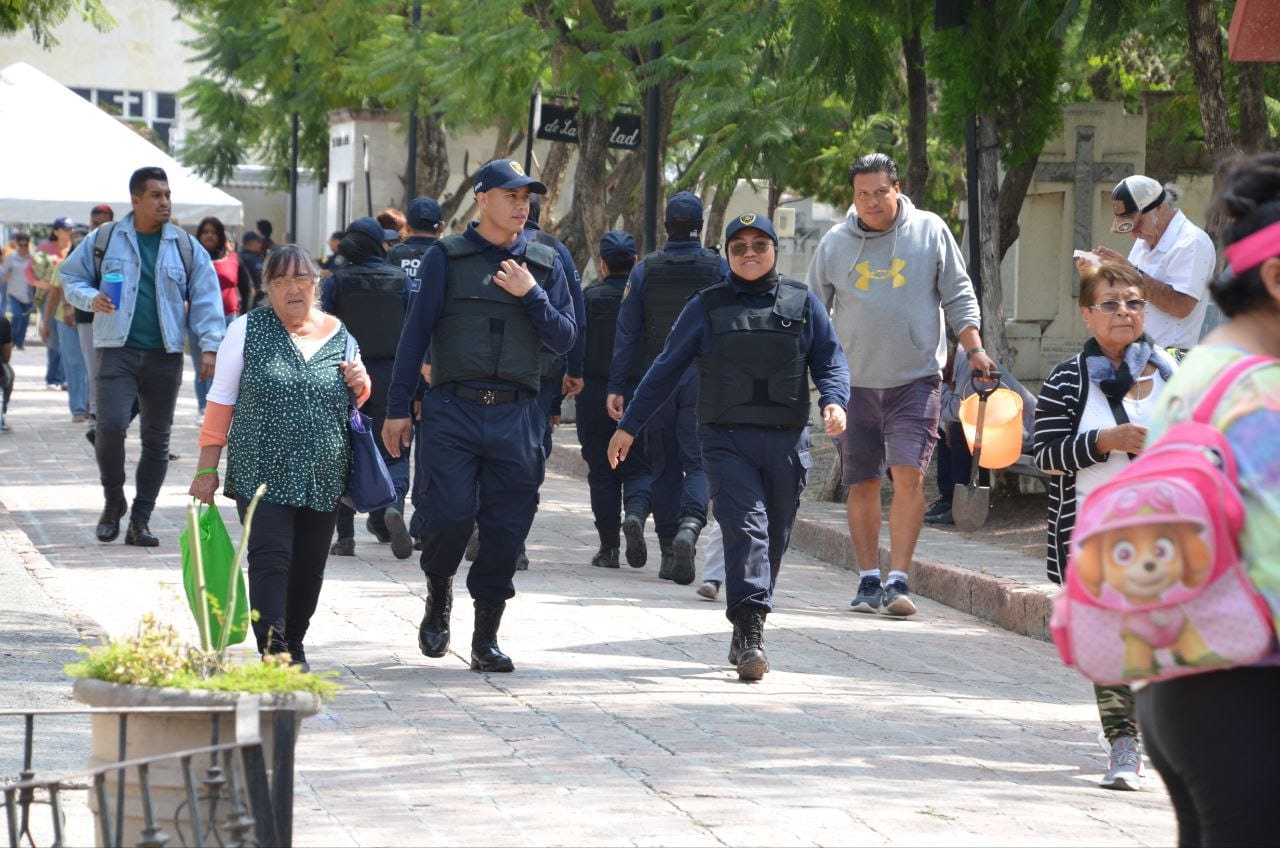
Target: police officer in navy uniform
[
  {"x": 424, "y": 220},
  {"x": 371, "y": 297},
  {"x": 489, "y": 300},
  {"x": 657, "y": 290},
  {"x": 757, "y": 337},
  {"x": 625, "y": 489}
]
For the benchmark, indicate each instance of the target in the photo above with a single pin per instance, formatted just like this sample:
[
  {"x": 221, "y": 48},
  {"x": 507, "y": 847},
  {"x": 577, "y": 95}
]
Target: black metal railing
[{"x": 233, "y": 802}]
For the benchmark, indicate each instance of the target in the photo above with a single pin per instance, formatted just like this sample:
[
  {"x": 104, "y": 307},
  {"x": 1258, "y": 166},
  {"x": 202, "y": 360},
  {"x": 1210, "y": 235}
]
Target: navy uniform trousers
[
  {"x": 611, "y": 489},
  {"x": 486, "y": 466},
  {"x": 675, "y": 461},
  {"x": 757, "y": 475},
  {"x": 549, "y": 397}
]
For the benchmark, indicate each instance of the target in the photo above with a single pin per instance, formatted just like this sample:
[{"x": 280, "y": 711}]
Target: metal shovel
[{"x": 970, "y": 504}]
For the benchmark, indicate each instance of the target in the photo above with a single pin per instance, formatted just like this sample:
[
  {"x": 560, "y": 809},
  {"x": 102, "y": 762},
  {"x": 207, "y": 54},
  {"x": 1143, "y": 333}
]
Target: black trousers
[
  {"x": 1214, "y": 739},
  {"x": 149, "y": 379},
  {"x": 288, "y": 548}
]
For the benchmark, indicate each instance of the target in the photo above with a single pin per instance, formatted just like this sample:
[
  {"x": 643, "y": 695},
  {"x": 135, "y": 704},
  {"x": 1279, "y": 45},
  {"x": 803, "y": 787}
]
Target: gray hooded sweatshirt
[{"x": 888, "y": 291}]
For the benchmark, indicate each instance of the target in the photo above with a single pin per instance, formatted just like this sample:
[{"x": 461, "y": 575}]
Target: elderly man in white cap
[{"x": 1174, "y": 256}]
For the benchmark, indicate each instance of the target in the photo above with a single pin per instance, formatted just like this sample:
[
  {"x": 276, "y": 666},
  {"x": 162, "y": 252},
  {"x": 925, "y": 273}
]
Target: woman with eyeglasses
[
  {"x": 1090, "y": 420},
  {"x": 278, "y": 404},
  {"x": 757, "y": 338}
]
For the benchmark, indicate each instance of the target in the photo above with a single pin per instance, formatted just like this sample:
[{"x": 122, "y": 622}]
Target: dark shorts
[{"x": 893, "y": 427}]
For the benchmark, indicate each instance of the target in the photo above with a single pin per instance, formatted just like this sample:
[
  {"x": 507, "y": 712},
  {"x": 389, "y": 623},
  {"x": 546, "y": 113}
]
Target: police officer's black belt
[{"x": 488, "y": 397}]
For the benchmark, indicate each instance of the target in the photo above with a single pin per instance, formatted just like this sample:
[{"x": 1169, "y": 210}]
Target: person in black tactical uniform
[
  {"x": 613, "y": 491},
  {"x": 656, "y": 292},
  {"x": 425, "y": 222},
  {"x": 372, "y": 297},
  {"x": 757, "y": 338},
  {"x": 490, "y": 299}
]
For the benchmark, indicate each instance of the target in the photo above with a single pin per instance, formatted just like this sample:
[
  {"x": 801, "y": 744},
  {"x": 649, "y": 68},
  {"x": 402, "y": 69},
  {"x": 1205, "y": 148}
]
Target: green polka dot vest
[{"x": 289, "y": 429}]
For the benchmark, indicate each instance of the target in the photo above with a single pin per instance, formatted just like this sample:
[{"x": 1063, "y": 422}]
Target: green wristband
[{"x": 204, "y": 471}]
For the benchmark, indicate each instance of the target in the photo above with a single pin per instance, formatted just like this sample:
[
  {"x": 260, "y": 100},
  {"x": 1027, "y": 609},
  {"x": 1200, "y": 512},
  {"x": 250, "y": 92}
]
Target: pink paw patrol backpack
[{"x": 1155, "y": 584}]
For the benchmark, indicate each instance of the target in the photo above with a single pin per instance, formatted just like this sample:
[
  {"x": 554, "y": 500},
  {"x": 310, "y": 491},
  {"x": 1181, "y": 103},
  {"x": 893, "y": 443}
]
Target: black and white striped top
[{"x": 1058, "y": 447}]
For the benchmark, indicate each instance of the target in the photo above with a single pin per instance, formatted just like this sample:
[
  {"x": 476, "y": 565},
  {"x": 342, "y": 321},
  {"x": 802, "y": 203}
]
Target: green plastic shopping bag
[{"x": 218, "y": 557}]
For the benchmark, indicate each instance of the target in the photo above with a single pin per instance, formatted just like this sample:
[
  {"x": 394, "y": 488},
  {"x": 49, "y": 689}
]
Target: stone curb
[{"x": 1011, "y": 604}]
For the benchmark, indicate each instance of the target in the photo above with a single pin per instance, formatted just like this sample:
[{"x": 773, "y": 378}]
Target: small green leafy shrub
[{"x": 156, "y": 656}]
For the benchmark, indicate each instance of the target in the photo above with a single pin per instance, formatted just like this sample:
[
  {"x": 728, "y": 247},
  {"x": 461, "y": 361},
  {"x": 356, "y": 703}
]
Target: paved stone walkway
[{"x": 623, "y": 724}]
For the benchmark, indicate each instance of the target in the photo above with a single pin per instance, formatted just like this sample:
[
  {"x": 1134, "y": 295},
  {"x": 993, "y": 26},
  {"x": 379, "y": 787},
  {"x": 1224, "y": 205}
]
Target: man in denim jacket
[{"x": 139, "y": 345}]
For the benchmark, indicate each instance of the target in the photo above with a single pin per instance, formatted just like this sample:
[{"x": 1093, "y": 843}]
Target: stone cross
[{"x": 1084, "y": 173}]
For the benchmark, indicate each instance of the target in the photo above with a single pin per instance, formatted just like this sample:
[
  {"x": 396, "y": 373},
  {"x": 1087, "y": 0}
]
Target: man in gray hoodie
[{"x": 890, "y": 273}]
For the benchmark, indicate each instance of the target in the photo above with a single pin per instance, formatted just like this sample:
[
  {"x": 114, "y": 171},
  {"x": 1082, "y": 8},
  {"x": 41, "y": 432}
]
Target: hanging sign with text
[{"x": 560, "y": 123}]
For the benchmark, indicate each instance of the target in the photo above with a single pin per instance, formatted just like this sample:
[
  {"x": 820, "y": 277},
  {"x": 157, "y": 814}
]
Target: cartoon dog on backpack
[{"x": 1144, "y": 548}]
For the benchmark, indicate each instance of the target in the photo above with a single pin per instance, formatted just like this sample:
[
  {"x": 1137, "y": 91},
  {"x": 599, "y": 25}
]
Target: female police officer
[{"x": 755, "y": 336}]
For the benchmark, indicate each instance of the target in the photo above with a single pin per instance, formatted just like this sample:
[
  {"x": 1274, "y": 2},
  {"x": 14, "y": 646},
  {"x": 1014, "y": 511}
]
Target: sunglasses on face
[
  {"x": 1111, "y": 307},
  {"x": 740, "y": 248}
]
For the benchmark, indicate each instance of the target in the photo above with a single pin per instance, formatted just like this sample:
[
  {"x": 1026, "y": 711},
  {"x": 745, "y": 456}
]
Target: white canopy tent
[{"x": 61, "y": 155}]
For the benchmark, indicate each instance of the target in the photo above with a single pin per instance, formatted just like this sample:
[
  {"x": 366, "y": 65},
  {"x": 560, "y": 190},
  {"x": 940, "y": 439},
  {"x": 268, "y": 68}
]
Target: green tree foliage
[
  {"x": 262, "y": 63},
  {"x": 42, "y": 17}
]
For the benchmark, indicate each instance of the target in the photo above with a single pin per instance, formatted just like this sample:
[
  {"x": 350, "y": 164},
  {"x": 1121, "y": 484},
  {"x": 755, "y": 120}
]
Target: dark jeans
[
  {"x": 53, "y": 375},
  {"x": 1214, "y": 739},
  {"x": 287, "y": 552},
  {"x": 21, "y": 320},
  {"x": 376, "y": 408},
  {"x": 151, "y": 379}
]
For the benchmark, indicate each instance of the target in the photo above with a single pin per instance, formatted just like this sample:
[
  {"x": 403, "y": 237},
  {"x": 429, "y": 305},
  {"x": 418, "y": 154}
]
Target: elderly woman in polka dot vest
[{"x": 278, "y": 404}]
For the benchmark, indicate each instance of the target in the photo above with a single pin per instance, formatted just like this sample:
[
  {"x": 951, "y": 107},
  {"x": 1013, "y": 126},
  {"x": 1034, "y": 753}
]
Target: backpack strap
[
  {"x": 101, "y": 240},
  {"x": 1224, "y": 382},
  {"x": 186, "y": 252}
]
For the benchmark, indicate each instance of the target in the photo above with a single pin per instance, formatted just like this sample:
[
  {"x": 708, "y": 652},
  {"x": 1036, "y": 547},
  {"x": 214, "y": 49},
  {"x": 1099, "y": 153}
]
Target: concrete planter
[{"x": 151, "y": 734}]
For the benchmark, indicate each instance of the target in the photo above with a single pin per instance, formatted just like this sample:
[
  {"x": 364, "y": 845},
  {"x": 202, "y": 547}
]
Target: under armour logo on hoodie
[{"x": 892, "y": 272}]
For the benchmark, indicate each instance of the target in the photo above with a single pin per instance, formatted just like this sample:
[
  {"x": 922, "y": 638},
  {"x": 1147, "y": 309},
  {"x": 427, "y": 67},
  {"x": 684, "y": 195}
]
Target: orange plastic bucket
[{"x": 1001, "y": 427}]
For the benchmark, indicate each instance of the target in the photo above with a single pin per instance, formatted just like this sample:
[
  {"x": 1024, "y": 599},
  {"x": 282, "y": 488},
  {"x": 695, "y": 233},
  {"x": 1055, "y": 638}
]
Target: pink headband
[{"x": 1254, "y": 249}]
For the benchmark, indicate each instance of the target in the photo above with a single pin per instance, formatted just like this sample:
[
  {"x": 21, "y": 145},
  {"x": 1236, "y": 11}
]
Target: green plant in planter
[{"x": 156, "y": 655}]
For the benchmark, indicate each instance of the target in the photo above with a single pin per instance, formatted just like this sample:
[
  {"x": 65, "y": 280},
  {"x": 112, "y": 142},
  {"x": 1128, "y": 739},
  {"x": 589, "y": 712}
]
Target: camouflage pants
[{"x": 1117, "y": 710}]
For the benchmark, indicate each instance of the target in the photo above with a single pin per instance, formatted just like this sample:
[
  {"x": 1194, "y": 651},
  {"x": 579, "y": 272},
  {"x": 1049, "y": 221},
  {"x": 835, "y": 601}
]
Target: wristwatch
[{"x": 969, "y": 353}]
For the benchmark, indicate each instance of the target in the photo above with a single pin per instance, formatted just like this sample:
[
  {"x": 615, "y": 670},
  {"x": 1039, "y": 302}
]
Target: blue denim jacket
[{"x": 184, "y": 304}]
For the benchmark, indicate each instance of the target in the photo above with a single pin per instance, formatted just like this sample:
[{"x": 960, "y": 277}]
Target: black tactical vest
[
  {"x": 371, "y": 305},
  {"x": 603, "y": 302},
  {"x": 756, "y": 372},
  {"x": 407, "y": 255},
  {"x": 485, "y": 333},
  {"x": 670, "y": 280}
]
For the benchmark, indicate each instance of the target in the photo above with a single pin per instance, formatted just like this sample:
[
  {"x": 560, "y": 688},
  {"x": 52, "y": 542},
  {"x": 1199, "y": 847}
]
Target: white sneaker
[{"x": 1125, "y": 766}]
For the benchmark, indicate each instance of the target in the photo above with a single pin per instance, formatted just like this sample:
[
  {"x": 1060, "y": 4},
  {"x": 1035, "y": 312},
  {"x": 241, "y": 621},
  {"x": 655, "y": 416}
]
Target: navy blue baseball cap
[
  {"x": 250, "y": 235},
  {"x": 371, "y": 228},
  {"x": 617, "y": 245},
  {"x": 64, "y": 224},
  {"x": 505, "y": 173},
  {"x": 684, "y": 204},
  {"x": 750, "y": 221},
  {"x": 424, "y": 213}
]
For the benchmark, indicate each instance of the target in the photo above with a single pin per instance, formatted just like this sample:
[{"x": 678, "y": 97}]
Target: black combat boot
[
  {"x": 683, "y": 548},
  {"x": 633, "y": 530},
  {"x": 748, "y": 630},
  {"x": 485, "y": 653},
  {"x": 668, "y": 561},
  {"x": 433, "y": 632},
  {"x": 114, "y": 509}
]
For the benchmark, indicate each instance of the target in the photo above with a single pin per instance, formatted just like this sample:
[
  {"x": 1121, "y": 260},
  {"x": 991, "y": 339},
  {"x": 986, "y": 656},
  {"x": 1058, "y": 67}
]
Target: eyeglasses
[
  {"x": 286, "y": 282},
  {"x": 1111, "y": 307},
  {"x": 740, "y": 248}
]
